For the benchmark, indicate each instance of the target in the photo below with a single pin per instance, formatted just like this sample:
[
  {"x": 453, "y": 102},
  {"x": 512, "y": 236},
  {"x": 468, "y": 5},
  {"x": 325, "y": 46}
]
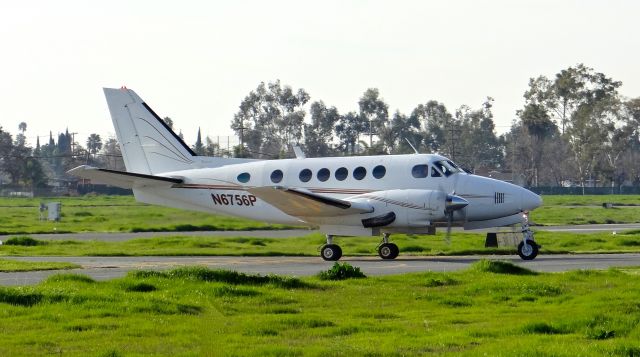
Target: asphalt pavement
[{"x": 103, "y": 268}]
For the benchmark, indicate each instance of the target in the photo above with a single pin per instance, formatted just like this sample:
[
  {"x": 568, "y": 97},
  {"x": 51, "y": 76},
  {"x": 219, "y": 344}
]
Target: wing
[
  {"x": 299, "y": 203},
  {"x": 121, "y": 178}
]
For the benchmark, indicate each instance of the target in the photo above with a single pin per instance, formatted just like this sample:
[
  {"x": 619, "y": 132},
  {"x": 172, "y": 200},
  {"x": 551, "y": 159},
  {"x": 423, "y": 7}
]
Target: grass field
[
  {"x": 14, "y": 266},
  {"x": 123, "y": 214},
  {"x": 113, "y": 214},
  {"x": 461, "y": 244},
  {"x": 195, "y": 311}
]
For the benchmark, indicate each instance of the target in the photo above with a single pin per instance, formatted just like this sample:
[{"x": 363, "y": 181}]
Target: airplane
[{"x": 342, "y": 196}]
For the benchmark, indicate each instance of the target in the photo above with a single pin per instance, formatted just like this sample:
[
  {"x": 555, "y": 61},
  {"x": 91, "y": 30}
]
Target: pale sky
[{"x": 196, "y": 60}]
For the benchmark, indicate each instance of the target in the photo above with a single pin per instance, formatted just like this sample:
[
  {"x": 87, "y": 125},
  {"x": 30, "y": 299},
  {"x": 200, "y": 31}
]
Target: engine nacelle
[{"x": 410, "y": 208}]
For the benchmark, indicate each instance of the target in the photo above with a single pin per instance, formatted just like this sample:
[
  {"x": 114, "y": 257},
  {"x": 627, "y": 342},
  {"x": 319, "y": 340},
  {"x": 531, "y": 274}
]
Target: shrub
[
  {"x": 24, "y": 241},
  {"x": 341, "y": 272}
]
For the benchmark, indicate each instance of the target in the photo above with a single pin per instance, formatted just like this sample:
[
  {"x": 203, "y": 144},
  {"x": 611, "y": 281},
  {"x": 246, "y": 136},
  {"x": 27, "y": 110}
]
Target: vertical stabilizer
[{"x": 148, "y": 145}]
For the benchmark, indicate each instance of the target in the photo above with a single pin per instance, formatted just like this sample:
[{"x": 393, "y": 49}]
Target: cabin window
[
  {"x": 342, "y": 173},
  {"x": 420, "y": 171},
  {"x": 434, "y": 172},
  {"x": 276, "y": 176},
  {"x": 244, "y": 177},
  {"x": 305, "y": 175},
  {"x": 324, "y": 174},
  {"x": 379, "y": 171},
  {"x": 359, "y": 173}
]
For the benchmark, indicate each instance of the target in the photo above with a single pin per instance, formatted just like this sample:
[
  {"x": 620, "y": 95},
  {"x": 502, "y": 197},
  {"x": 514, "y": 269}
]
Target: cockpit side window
[
  {"x": 447, "y": 167},
  {"x": 434, "y": 172}
]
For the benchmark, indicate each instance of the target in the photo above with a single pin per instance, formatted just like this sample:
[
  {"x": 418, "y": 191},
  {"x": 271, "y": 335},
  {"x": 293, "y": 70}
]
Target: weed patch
[
  {"x": 541, "y": 328},
  {"x": 222, "y": 276},
  {"x": 139, "y": 287},
  {"x": 20, "y": 296},
  {"x": 341, "y": 272},
  {"x": 440, "y": 281},
  {"x": 80, "y": 278},
  {"x": 499, "y": 267}
]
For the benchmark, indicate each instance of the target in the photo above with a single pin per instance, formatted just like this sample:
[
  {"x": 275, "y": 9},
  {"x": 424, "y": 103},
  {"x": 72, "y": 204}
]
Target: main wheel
[
  {"x": 528, "y": 251},
  {"x": 388, "y": 251},
  {"x": 331, "y": 252}
]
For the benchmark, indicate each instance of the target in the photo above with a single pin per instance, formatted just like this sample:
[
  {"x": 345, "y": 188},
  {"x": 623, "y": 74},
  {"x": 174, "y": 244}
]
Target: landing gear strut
[
  {"x": 528, "y": 248},
  {"x": 387, "y": 250},
  {"x": 330, "y": 251}
]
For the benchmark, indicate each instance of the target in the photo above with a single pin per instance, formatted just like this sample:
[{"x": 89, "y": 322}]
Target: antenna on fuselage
[
  {"x": 410, "y": 144},
  {"x": 299, "y": 153}
]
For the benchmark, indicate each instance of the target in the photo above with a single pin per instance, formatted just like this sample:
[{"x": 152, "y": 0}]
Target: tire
[
  {"x": 331, "y": 252},
  {"x": 388, "y": 251},
  {"x": 528, "y": 254}
]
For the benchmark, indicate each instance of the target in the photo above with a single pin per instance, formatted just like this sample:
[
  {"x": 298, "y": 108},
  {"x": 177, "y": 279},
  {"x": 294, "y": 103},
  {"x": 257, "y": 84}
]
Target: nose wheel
[{"x": 528, "y": 248}]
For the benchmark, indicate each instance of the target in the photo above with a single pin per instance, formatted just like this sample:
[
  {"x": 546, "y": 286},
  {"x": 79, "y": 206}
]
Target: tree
[
  {"x": 94, "y": 143},
  {"x": 168, "y": 121},
  {"x": 400, "y": 129},
  {"x": 374, "y": 111},
  {"x": 112, "y": 154},
  {"x": 528, "y": 145},
  {"x": 348, "y": 130},
  {"x": 270, "y": 118},
  {"x": 319, "y": 134},
  {"x": 479, "y": 146},
  {"x": 198, "y": 147},
  {"x": 437, "y": 123}
]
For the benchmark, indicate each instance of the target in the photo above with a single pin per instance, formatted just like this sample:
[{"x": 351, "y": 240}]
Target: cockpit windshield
[{"x": 447, "y": 167}]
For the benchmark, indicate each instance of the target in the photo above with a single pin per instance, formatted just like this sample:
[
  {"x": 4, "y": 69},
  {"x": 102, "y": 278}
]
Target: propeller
[{"x": 452, "y": 204}]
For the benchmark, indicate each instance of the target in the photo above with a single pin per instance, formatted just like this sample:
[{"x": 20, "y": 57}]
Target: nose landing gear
[
  {"x": 528, "y": 248},
  {"x": 387, "y": 250}
]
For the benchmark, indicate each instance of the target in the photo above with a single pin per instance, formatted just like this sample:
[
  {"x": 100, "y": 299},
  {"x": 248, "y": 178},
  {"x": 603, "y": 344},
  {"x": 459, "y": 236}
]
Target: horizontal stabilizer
[
  {"x": 121, "y": 178},
  {"x": 299, "y": 203}
]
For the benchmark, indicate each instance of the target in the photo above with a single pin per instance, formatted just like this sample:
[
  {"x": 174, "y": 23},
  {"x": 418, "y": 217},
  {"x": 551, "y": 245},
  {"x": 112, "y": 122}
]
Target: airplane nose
[{"x": 530, "y": 201}]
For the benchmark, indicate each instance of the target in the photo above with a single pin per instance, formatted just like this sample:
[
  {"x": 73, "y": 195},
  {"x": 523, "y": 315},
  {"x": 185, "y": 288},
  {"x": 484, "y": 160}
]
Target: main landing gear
[
  {"x": 387, "y": 250},
  {"x": 528, "y": 248},
  {"x": 333, "y": 252}
]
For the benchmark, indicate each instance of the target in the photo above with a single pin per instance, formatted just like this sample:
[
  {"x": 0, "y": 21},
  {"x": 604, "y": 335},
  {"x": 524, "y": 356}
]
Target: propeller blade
[
  {"x": 447, "y": 237},
  {"x": 452, "y": 203}
]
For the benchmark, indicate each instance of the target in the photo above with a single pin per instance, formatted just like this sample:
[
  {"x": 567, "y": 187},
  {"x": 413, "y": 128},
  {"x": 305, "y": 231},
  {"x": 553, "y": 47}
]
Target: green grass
[
  {"x": 461, "y": 244},
  {"x": 123, "y": 214},
  {"x": 474, "y": 312},
  {"x": 113, "y": 214},
  {"x": 590, "y": 200},
  {"x": 14, "y": 266},
  {"x": 571, "y": 210}
]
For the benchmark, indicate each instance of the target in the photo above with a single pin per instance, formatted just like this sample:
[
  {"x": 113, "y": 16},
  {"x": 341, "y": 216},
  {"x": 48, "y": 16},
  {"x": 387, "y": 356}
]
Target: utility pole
[
  {"x": 371, "y": 134},
  {"x": 454, "y": 136},
  {"x": 73, "y": 143},
  {"x": 242, "y": 128}
]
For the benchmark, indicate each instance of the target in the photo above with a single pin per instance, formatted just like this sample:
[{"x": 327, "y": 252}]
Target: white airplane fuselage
[{"x": 218, "y": 190}]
